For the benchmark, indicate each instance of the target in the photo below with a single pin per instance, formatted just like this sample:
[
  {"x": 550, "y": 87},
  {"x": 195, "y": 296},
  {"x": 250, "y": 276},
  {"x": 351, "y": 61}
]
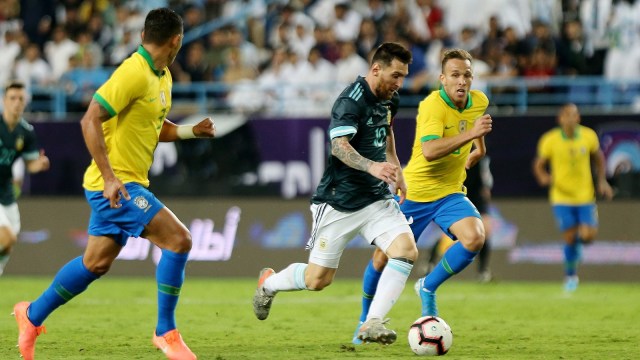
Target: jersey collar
[
  {"x": 576, "y": 133},
  {"x": 367, "y": 89},
  {"x": 445, "y": 97},
  {"x": 145, "y": 54}
]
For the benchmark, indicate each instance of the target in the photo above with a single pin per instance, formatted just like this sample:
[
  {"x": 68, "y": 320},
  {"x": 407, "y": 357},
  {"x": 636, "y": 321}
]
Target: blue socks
[
  {"x": 72, "y": 279},
  {"x": 454, "y": 260},
  {"x": 170, "y": 276},
  {"x": 369, "y": 286},
  {"x": 571, "y": 257}
]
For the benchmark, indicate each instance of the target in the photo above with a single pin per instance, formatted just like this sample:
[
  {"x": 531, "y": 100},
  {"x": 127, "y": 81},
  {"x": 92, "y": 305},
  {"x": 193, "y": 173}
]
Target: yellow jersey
[
  {"x": 570, "y": 163},
  {"x": 438, "y": 117},
  {"x": 138, "y": 98}
]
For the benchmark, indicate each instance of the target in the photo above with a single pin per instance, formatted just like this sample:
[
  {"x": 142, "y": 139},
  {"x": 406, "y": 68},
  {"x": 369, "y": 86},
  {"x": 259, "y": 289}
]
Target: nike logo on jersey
[
  {"x": 152, "y": 99},
  {"x": 448, "y": 127}
]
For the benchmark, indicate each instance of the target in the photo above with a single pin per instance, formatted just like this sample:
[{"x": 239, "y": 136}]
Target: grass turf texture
[{"x": 115, "y": 317}]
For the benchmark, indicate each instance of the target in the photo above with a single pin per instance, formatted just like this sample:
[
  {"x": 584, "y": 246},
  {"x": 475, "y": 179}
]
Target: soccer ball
[{"x": 430, "y": 336}]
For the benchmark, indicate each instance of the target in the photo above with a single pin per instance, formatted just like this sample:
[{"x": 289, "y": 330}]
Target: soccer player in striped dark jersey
[
  {"x": 449, "y": 122},
  {"x": 121, "y": 128},
  {"x": 568, "y": 151},
  {"x": 353, "y": 196},
  {"x": 17, "y": 139}
]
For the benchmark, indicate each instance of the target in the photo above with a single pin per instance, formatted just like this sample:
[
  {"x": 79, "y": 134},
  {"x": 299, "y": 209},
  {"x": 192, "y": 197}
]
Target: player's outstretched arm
[
  {"x": 172, "y": 132},
  {"x": 384, "y": 171}
]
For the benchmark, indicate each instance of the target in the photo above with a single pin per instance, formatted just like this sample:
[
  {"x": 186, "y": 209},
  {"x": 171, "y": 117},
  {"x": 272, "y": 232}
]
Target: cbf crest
[{"x": 141, "y": 202}]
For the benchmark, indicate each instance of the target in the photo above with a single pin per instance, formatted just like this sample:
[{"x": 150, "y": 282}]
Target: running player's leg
[
  {"x": 460, "y": 220},
  {"x": 567, "y": 221},
  {"x": 388, "y": 229},
  {"x": 169, "y": 233},
  {"x": 330, "y": 233}
]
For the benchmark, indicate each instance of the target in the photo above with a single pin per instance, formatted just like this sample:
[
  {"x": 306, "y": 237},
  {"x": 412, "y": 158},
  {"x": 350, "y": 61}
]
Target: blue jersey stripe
[
  {"x": 356, "y": 88},
  {"x": 342, "y": 131}
]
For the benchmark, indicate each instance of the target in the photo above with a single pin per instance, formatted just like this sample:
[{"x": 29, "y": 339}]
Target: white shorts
[
  {"x": 10, "y": 217},
  {"x": 379, "y": 223}
]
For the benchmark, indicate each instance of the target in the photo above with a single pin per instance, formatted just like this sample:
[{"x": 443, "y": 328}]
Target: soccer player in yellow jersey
[
  {"x": 122, "y": 126},
  {"x": 568, "y": 151},
  {"x": 449, "y": 121}
]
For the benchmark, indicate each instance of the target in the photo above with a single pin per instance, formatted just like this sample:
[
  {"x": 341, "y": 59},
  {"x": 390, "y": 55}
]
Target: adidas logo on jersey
[{"x": 370, "y": 122}]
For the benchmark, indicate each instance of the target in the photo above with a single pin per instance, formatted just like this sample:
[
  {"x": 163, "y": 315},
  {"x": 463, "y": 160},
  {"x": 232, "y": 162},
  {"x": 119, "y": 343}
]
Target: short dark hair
[
  {"x": 160, "y": 25},
  {"x": 14, "y": 85},
  {"x": 459, "y": 54},
  {"x": 386, "y": 52}
]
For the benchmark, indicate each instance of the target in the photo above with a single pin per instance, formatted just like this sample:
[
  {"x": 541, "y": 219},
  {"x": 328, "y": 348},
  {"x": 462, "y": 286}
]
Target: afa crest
[{"x": 19, "y": 143}]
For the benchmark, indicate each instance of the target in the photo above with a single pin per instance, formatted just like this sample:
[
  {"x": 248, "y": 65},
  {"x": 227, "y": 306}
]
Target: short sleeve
[
  {"x": 344, "y": 118},
  {"x": 123, "y": 87},
  {"x": 544, "y": 147},
  {"x": 431, "y": 119},
  {"x": 30, "y": 150}
]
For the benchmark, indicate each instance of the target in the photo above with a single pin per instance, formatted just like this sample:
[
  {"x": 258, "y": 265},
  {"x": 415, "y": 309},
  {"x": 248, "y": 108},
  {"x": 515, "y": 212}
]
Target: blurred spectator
[
  {"x": 541, "y": 65},
  {"x": 38, "y": 19},
  {"x": 368, "y": 38},
  {"x": 121, "y": 50},
  {"x": 433, "y": 56},
  {"x": 326, "y": 42},
  {"x": 623, "y": 58},
  {"x": 10, "y": 49},
  {"x": 347, "y": 21},
  {"x": 350, "y": 65},
  {"x": 251, "y": 56},
  {"x": 301, "y": 40},
  {"x": 32, "y": 69},
  {"x": 549, "y": 12},
  {"x": 571, "y": 52},
  {"x": 58, "y": 51},
  {"x": 594, "y": 16},
  {"x": 194, "y": 67},
  {"x": 82, "y": 80},
  {"x": 315, "y": 78},
  {"x": 218, "y": 42},
  {"x": 86, "y": 44},
  {"x": 469, "y": 40},
  {"x": 236, "y": 70},
  {"x": 101, "y": 33}
]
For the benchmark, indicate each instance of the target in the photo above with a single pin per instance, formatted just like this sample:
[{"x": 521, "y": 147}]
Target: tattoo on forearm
[
  {"x": 103, "y": 114},
  {"x": 341, "y": 149}
]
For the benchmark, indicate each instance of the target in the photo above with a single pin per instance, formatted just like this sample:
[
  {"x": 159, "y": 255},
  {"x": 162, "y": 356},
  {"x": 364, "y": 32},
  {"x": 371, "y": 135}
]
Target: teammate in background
[
  {"x": 121, "y": 128},
  {"x": 478, "y": 183},
  {"x": 353, "y": 196},
  {"x": 449, "y": 121},
  {"x": 17, "y": 139},
  {"x": 568, "y": 151}
]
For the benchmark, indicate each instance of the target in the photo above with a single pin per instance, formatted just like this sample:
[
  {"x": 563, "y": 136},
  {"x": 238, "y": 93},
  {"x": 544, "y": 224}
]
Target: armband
[{"x": 186, "y": 132}]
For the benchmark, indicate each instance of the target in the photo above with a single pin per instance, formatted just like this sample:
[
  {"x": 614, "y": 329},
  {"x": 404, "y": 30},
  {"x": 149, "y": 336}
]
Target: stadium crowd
[{"x": 316, "y": 46}]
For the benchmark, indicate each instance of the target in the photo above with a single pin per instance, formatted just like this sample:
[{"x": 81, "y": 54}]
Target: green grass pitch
[{"x": 115, "y": 317}]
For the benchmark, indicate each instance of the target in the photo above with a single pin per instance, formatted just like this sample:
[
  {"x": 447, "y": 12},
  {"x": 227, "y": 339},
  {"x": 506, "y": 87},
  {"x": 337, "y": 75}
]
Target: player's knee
[
  {"x": 98, "y": 267},
  {"x": 7, "y": 239},
  {"x": 473, "y": 240},
  {"x": 380, "y": 259},
  {"x": 181, "y": 243},
  {"x": 317, "y": 284}
]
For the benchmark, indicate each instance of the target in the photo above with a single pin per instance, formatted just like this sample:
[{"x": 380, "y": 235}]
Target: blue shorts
[
  {"x": 444, "y": 212},
  {"x": 128, "y": 220},
  {"x": 570, "y": 216}
]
